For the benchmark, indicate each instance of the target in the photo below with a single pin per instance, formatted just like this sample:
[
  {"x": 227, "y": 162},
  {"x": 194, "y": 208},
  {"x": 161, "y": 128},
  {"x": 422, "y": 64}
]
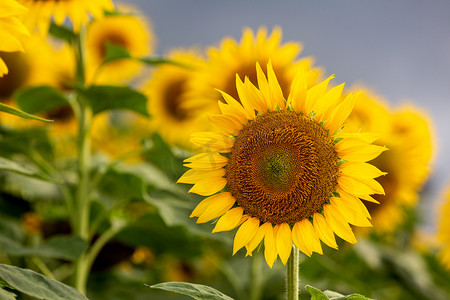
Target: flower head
[
  {"x": 281, "y": 169},
  {"x": 407, "y": 132},
  {"x": 12, "y": 30}
]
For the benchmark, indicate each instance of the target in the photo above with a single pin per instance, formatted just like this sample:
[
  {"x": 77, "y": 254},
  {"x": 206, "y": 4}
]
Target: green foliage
[
  {"x": 6, "y": 295},
  {"x": 40, "y": 99},
  {"x": 62, "y": 33},
  {"x": 14, "y": 111},
  {"x": 195, "y": 291},
  {"x": 104, "y": 97},
  {"x": 317, "y": 294},
  {"x": 58, "y": 247},
  {"x": 36, "y": 285}
]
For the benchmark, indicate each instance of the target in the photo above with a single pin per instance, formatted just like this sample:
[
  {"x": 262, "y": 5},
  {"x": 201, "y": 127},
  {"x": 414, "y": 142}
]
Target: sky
[{"x": 400, "y": 49}]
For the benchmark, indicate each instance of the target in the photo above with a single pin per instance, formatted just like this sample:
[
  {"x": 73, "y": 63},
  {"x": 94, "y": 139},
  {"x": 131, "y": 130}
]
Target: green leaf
[
  {"x": 9, "y": 165},
  {"x": 317, "y": 294},
  {"x": 62, "y": 33},
  {"x": 155, "y": 61},
  {"x": 5, "y": 295},
  {"x": 40, "y": 99},
  {"x": 37, "y": 285},
  {"x": 14, "y": 111},
  {"x": 196, "y": 291},
  {"x": 115, "y": 52},
  {"x": 60, "y": 247},
  {"x": 115, "y": 97}
]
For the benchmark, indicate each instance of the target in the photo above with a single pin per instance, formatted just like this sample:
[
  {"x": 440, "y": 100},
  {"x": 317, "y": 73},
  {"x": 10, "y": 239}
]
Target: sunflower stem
[
  {"x": 293, "y": 275},
  {"x": 255, "y": 276},
  {"x": 82, "y": 201}
]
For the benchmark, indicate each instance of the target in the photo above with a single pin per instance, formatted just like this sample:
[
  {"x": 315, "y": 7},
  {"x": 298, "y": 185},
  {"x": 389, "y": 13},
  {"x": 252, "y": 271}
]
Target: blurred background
[{"x": 399, "y": 49}]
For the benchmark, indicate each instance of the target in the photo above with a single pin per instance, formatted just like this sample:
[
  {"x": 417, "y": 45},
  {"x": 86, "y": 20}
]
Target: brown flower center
[
  {"x": 17, "y": 76},
  {"x": 283, "y": 167},
  {"x": 173, "y": 99}
]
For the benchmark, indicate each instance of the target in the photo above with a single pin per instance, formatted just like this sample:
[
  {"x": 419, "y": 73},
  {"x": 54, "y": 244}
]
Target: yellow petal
[
  {"x": 192, "y": 176},
  {"x": 357, "y": 150},
  {"x": 206, "y": 161},
  {"x": 367, "y": 137},
  {"x": 338, "y": 223},
  {"x": 229, "y": 220},
  {"x": 212, "y": 141},
  {"x": 324, "y": 231},
  {"x": 234, "y": 108},
  {"x": 360, "y": 170},
  {"x": 275, "y": 90},
  {"x": 11, "y": 8},
  {"x": 341, "y": 113},
  {"x": 254, "y": 96},
  {"x": 3, "y": 68},
  {"x": 245, "y": 233},
  {"x": 356, "y": 187},
  {"x": 352, "y": 214},
  {"x": 297, "y": 94},
  {"x": 257, "y": 238},
  {"x": 213, "y": 207},
  {"x": 315, "y": 92},
  {"x": 227, "y": 124},
  {"x": 244, "y": 99},
  {"x": 263, "y": 86},
  {"x": 307, "y": 237},
  {"x": 354, "y": 202},
  {"x": 208, "y": 186},
  {"x": 270, "y": 248},
  {"x": 284, "y": 242},
  {"x": 323, "y": 107}
]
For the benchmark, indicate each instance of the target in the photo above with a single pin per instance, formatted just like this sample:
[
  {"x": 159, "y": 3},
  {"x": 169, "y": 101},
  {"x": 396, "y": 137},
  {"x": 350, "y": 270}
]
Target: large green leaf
[
  {"x": 196, "y": 291},
  {"x": 317, "y": 294},
  {"x": 115, "y": 52},
  {"x": 61, "y": 247},
  {"x": 62, "y": 33},
  {"x": 14, "y": 111},
  {"x": 23, "y": 169},
  {"x": 40, "y": 99},
  {"x": 106, "y": 97},
  {"x": 37, "y": 285},
  {"x": 5, "y": 295}
]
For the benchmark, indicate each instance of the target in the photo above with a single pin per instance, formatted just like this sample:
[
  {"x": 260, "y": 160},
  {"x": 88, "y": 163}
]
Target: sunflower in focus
[
  {"x": 42, "y": 12},
  {"x": 175, "y": 112},
  {"x": 444, "y": 230},
  {"x": 233, "y": 58},
  {"x": 286, "y": 174},
  {"x": 407, "y": 133},
  {"x": 115, "y": 30},
  {"x": 12, "y": 30}
]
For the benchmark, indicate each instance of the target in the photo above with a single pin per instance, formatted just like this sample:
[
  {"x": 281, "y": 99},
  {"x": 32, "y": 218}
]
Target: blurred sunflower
[
  {"x": 115, "y": 30},
  {"x": 12, "y": 30},
  {"x": 77, "y": 11},
  {"x": 444, "y": 230},
  {"x": 233, "y": 58},
  {"x": 175, "y": 113},
  {"x": 407, "y": 133},
  {"x": 289, "y": 173}
]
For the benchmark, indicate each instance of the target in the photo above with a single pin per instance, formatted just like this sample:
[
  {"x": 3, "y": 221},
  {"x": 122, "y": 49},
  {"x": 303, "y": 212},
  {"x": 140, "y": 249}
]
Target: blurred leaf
[
  {"x": 105, "y": 97},
  {"x": 62, "y": 33},
  {"x": 29, "y": 188},
  {"x": 14, "y": 111},
  {"x": 155, "y": 61},
  {"x": 39, "y": 99},
  {"x": 196, "y": 291},
  {"x": 115, "y": 52},
  {"x": 317, "y": 294},
  {"x": 60, "y": 247},
  {"x": 24, "y": 141},
  {"x": 37, "y": 285},
  {"x": 12, "y": 166},
  {"x": 5, "y": 295}
]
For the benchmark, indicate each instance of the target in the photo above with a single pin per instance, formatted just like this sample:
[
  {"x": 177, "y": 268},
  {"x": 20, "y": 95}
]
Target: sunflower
[
  {"x": 233, "y": 58},
  {"x": 444, "y": 230},
  {"x": 115, "y": 30},
  {"x": 12, "y": 30},
  {"x": 286, "y": 173},
  {"x": 175, "y": 112},
  {"x": 407, "y": 133},
  {"x": 77, "y": 11}
]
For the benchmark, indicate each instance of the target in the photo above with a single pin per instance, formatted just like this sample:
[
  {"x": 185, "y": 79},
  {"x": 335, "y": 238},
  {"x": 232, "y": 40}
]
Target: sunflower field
[{"x": 242, "y": 169}]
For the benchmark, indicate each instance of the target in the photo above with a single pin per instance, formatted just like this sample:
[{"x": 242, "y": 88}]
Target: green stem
[
  {"x": 81, "y": 224},
  {"x": 43, "y": 267},
  {"x": 255, "y": 276},
  {"x": 293, "y": 275}
]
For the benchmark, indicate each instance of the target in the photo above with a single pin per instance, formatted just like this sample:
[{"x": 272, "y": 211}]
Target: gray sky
[{"x": 401, "y": 48}]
